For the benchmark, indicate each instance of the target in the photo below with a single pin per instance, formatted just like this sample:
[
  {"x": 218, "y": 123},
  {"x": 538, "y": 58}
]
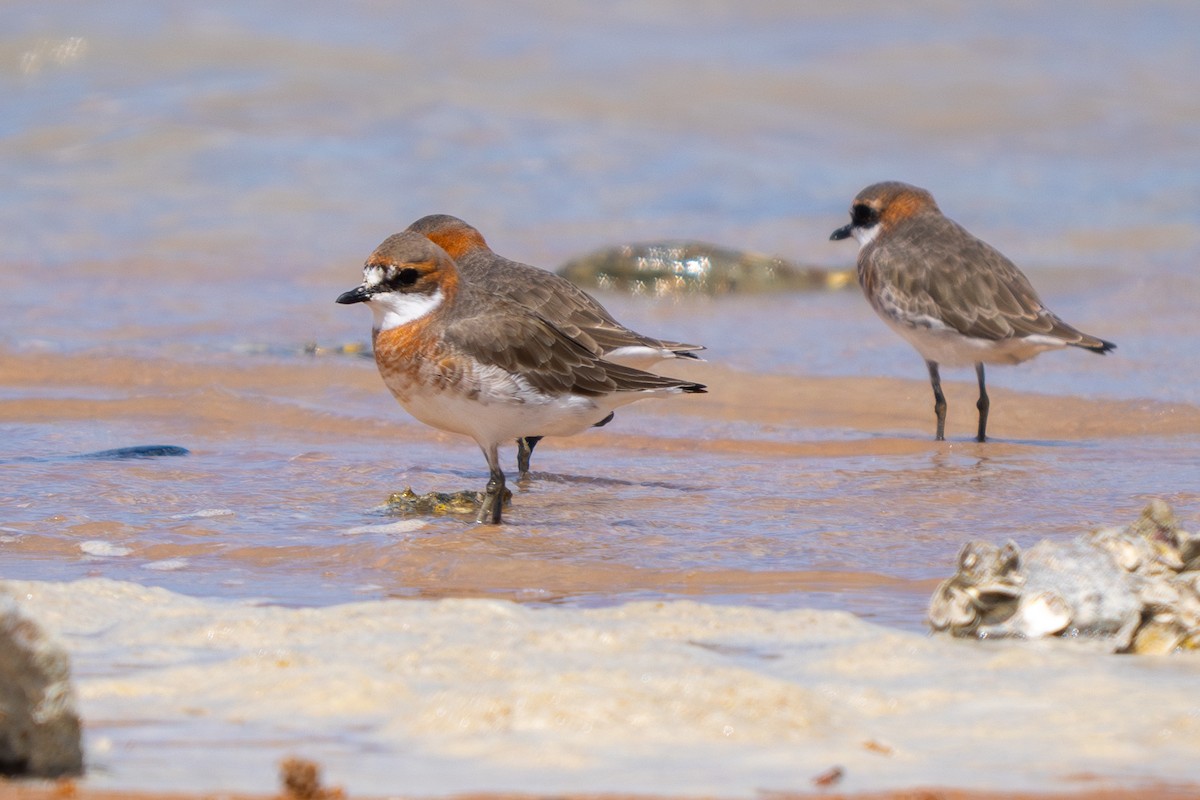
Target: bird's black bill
[
  {"x": 358, "y": 294},
  {"x": 841, "y": 233}
]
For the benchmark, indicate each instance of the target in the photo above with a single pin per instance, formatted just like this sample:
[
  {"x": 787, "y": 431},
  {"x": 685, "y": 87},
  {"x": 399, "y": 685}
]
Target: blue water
[{"x": 308, "y": 133}]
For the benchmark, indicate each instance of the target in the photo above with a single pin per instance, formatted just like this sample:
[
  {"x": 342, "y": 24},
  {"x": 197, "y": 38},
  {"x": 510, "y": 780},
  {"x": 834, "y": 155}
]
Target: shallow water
[{"x": 187, "y": 189}]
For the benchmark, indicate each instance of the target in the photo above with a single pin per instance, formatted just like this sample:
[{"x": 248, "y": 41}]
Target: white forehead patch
[
  {"x": 393, "y": 309},
  {"x": 372, "y": 275}
]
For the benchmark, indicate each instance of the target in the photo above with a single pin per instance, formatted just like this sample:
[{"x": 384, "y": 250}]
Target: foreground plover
[
  {"x": 464, "y": 359},
  {"x": 561, "y": 302}
]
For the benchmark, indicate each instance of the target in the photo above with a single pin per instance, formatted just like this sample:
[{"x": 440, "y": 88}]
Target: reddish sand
[{"x": 183, "y": 393}]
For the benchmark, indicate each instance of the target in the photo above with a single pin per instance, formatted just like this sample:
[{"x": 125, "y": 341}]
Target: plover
[
  {"x": 956, "y": 299},
  {"x": 555, "y": 298},
  {"x": 464, "y": 359}
]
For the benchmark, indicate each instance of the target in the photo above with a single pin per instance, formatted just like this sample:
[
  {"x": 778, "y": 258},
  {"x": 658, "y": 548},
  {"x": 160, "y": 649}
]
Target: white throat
[
  {"x": 393, "y": 309},
  {"x": 865, "y": 235}
]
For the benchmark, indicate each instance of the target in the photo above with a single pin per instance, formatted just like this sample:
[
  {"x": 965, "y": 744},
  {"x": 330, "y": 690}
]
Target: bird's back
[
  {"x": 930, "y": 272},
  {"x": 555, "y": 298}
]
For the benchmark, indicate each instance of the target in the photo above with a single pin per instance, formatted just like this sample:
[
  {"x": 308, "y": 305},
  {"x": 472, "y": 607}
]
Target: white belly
[
  {"x": 505, "y": 407},
  {"x": 950, "y": 348}
]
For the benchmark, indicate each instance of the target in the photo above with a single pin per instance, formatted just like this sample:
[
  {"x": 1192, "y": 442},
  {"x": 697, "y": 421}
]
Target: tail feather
[{"x": 1096, "y": 345}]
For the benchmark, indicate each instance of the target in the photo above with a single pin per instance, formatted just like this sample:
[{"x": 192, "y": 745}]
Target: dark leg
[
  {"x": 525, "y": 447},
  {"x": 493, "y": 496},
  {"x": 526, "y": 444},
  {"x": 939, "y": 399},
  {"x": 982, "y": 404}
]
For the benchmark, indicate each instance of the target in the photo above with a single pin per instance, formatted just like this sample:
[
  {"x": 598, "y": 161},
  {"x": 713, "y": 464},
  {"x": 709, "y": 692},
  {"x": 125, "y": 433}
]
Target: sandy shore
[{"x": 67, "y": 790}]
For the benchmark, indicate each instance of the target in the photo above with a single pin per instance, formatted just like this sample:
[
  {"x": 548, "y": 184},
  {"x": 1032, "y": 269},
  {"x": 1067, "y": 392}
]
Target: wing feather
[
  {"x": 960, "y": 283},
  {"x": 501, "y": 333},
  {"x": 576, "y": 312}
]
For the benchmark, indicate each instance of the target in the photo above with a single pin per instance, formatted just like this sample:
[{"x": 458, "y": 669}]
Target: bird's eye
[
  {"x": 863, "y": 216},
  {"x": 407, "y": 276}
]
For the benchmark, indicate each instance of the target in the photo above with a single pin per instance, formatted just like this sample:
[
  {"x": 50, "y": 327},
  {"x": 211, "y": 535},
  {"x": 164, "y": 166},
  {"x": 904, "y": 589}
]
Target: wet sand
[
  {"x": 227, "y": 401},
  {"x": 786, "y": 451}
]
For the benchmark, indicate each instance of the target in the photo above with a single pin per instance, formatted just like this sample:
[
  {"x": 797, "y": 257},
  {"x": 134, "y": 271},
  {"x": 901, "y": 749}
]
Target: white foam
[
  {"x": 403, "y": 526},
  {"x": 97, "y": 547},
  {"x": 206, "y": 513},
  {"x": 443, "y": 697},
  {"x": 166, "y": 564}
]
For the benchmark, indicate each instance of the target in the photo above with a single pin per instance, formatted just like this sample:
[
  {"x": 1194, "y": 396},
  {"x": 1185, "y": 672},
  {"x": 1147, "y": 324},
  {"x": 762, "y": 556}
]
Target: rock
[
  {"x": 301, "y": 780},
  {"x": 671, "y": 268},
  {"x": 39, "y": 727}
]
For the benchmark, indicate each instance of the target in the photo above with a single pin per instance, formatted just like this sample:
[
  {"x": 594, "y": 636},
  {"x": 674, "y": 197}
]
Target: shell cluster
[
  {"x": 409, "y": 502},
  {"x": 1130, "y": 590}
]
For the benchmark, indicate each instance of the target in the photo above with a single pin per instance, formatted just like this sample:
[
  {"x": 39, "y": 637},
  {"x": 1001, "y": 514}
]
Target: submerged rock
[
  {"x": 666, "y": 268},
  {"x": 138, "y": 451},
  {"x": 358, "y": 349},
  {"x": 118, "y": 454},
  {"x": 355, "y": 349},
  {"x": 39, "y": 727},
  {"x": 1134, "y": 589},
  {"x": 437, "y": 503}
]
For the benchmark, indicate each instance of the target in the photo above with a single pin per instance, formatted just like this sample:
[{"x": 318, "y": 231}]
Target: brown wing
[
  {"x": 555, "y": 298},
  {"x": 961, "y": 282},
  {"x": 503, "y": 334}
]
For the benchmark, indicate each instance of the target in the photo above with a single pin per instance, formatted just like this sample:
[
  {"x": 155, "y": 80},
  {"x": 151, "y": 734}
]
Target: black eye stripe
[
  {"x": 863, "y": 216},
  {"x": 407, "y": 276}
]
